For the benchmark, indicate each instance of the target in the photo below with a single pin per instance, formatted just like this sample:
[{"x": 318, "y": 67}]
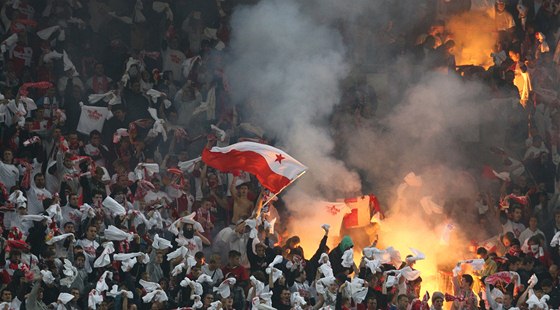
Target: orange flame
[{"x": 475, "y": 37}]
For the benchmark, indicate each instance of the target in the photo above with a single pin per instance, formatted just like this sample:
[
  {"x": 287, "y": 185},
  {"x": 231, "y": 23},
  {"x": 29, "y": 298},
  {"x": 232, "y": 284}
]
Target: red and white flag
[
  {"x": 274, "y": 168},
  {"x": 363, "y": 209}
]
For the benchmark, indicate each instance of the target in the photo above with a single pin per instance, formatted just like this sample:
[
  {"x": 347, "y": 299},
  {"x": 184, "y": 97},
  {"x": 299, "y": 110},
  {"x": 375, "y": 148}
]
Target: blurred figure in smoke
[
  {"x": 437, "y": 31},
  {"x": 522, "y": 78},
  {"x": 505, "y": 25},
  {"x": 445, "y": 57}
]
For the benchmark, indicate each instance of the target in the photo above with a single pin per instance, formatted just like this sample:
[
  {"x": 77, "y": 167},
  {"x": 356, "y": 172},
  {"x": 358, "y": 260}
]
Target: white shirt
[
  {"x": 217, "y": 275},
  {"x": 13, "y": 219},
  {"x": 9, "y": 175},
  {"x": 152, "y": 196},
  {"x": 35, "y": 197},
  {"x": 515, "y": 228},
  {"x": 533, "y": 152},
  {"x": 172, "y": 61},
  {"x": 70, "y": 214},
  {"x": 89, "y": 249},
  {"x": 528, "y": 233},
  {"x": 91, "y": 150},
  {"x": 193, "y": 244}
]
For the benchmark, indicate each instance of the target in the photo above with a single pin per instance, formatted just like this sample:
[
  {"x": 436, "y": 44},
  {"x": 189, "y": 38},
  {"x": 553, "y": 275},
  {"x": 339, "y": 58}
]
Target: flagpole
[{"x": 276, "y": 194}]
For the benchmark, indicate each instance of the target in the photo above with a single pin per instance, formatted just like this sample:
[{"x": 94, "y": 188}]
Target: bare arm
[
  {"x": 232, "y": 187},
  {"x": 204, "y": 240}
]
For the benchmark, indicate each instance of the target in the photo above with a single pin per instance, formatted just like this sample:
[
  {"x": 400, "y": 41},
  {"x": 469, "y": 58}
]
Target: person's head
[
  {"x": 514, "y": 263},
  {"x": 51, "y": 92},
  {"x": 200, "y": 259},
  {"x": 260, "y": 249},
  {"x": 507, "y": 238},
  {"x": 553, "y": 271},
  {"x": 437, "y": 300},
  {"x": 514, "y": 55},
  {"x": 500, "y": 5},
  {"x": 207, "y": 299},
  {"x": 73, "y": 200},
  {"x": 159, "y": 258},
  {"x": 6, "y": 295},
  {"x": 56, "y": 133},
  {"x": 243, "y": 190},
  {"x": 118, "y": 111},
  {"x": 234, "y": 257},
  {"x": 539, "y": 293},
  {"x": 346, "y": 243},
  {"x": 516, "y": 213},
  {"x": 481, "y": 252},
  {"x": 285, "y": 295},
  {"x": 76, "y": 292},
  {"x": 99, "y": 69},
  {"x": 535, "y": 243},
  {"x": 97, "y": 197},
  {"x": 212, "y": 180},
  {"x": 293, "y": 242},
  {"x": 67, "y": 162},
  {"x": 214, "y": 262},
  {"x": 402, "y": 302},
  {"x": 135, "y": 87},
  {"x": 39, "y": 179},
  {"x": 69, "y": 228},
  {"x": 196, "y": 271},
  {"x": 449, "y": 46},
  {"x": 507, "y": 300},
  {"x": 466, "y": 281},
  {"x": 537, "y": 141},
  {"x": 429, "y": 42},
  {"x": 157, "y": 185},
  {"x": 95, "y": 138},
  {"x": 557, "y": 217},
  {"x": 547, "y": 285},
  {"x": 40, "y": 113},
  {"x": 15, "y": 256},
  {"x": 188, "y": 230},
  {"x": 227, "y": 302},
  {"x": 122, "y": 182},
  {"x": 371, "y": 303},
  {"x": 533, "y": 223},
  {"x": 206, "y": 204},
  {"x": 8, "y": 156},
  {"x": 91, "y": 232}
]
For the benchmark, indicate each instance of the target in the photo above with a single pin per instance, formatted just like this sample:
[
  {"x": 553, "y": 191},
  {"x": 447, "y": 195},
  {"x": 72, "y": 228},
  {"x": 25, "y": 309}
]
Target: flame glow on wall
[{"x": 475, "y": 36}]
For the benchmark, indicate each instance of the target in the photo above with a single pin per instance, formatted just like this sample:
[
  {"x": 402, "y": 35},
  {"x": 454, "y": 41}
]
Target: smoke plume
[{"x": 289, "y": 58}]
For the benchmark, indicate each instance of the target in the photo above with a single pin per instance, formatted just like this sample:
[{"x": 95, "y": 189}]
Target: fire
[
  {"x": 406, "y": 231},
  {"x": 475, "y": 37},
  {"x": 408, "y": 225}
]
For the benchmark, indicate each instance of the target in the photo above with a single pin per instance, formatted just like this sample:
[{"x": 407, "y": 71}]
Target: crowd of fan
[{"x": 106, "y": 106}]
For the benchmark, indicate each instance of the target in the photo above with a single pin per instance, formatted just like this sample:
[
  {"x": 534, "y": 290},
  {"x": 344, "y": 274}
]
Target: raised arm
[{"x": 233, "y": 188}]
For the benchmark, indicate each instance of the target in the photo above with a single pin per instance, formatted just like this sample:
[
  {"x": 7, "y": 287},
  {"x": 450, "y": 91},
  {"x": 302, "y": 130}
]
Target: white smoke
[
  {"x": 291, "y": 66},
  {"x": 289, "y": 59}
]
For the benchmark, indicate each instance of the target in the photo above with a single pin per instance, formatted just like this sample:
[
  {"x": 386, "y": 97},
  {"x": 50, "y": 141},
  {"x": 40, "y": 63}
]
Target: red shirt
[{"x": 239, "y": 273}]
